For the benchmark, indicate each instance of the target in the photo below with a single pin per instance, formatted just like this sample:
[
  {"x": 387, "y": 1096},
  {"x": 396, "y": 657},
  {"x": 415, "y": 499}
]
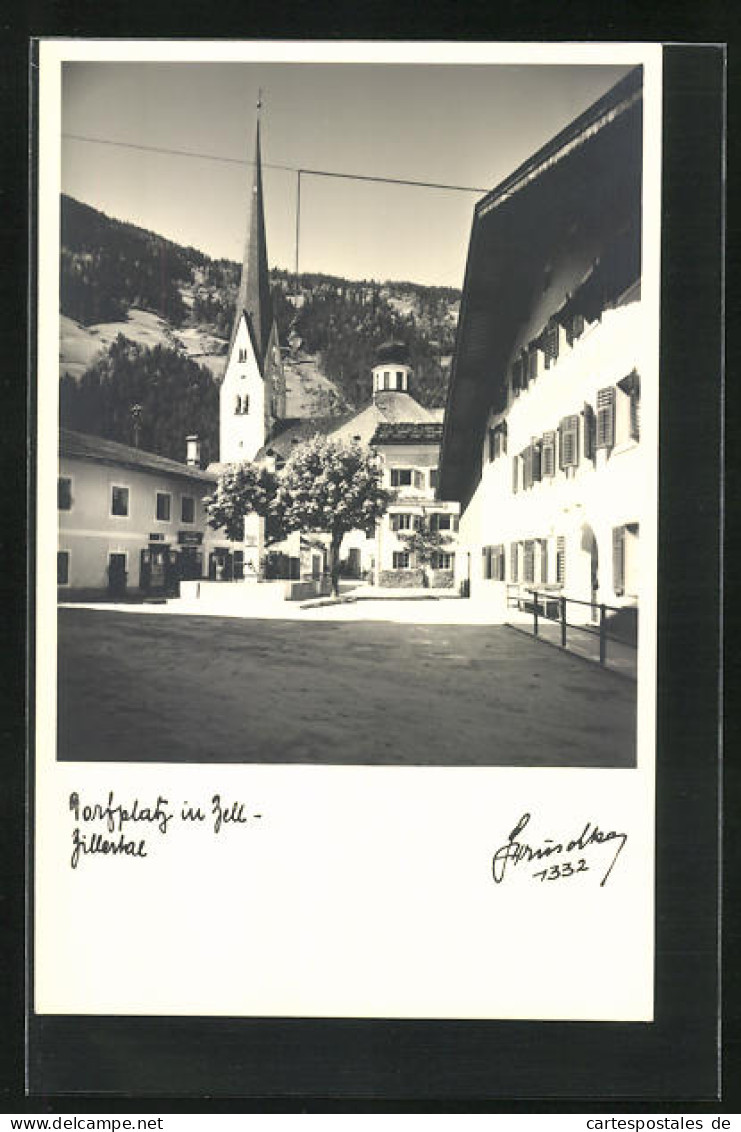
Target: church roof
[
  {"x": 395, "y": 406},
  {"x": 253, "y": 297},
  {"x": 391, "y": 352},
  {"x": 87, "y": 447},
  {"x": 410, "y": 432}
]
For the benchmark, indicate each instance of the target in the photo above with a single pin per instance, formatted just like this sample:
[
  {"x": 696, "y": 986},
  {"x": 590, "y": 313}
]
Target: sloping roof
[
  {"x": 412, "y": 432},
  {"x": 84, "y": 446},
  {"x": 253, "y": 297},
  {"x": 543, "y": 229},
  {"x": 394, "y": 406},
  {"x": 286, "y": 434}
]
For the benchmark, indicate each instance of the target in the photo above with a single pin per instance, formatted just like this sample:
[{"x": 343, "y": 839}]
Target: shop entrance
[
  {"x": 158, "y": 570},
  {"x": 220, "y": 565},
  {"x": 117, "y": 575}
]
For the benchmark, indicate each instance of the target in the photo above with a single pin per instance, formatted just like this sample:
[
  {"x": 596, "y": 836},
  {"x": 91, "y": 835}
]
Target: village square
[{"x": 392, "y": 583}]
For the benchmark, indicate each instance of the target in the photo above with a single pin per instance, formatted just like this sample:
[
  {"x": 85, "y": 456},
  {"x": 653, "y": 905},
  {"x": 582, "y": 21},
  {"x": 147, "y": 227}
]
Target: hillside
[{"x": 118, "y": 279}]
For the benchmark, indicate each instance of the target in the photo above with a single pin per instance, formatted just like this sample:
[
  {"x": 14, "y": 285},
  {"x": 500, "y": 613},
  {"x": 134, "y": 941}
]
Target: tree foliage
[
  {"x": 243, "y": 489},
  {"x": 424, "y": 541},
  {"x": 176, "y": 395}
]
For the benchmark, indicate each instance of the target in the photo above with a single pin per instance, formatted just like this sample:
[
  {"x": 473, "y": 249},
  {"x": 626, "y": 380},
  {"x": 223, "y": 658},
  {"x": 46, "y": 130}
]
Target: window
[
  {"x": 242, "y": 354},
  {"x": 401, "y": 477},
  {"x": 493, "y": 563},
  {"x": 628, "y": 412},
  {"x": 532, "y": 363},
  {"x": 187, "y": 509},
  {"x": 561, "y": 559},
  {"x": 162, "y": 509},
  {"x": 441, "y": 560},
  {"x": 402, "y": 522},
  {"x": 119, "y": 501},
  {"x": 498, "y": 440},
  {"x": 548, "y": 455},
  {"x": 544, "y": 560},
  {"x": 434, "y": 478},
  {"x": 528, "y": 561},
  {"x": 519, "y": 374},
  {"x": 575, "y": 328},
  {"x": 606, "y": 418},
  {"x": 386, "y": 379},
  {"x": 535, "y": 460},
  {"x": 400, "y": 379},
  {"x": 242, "y": 404},
  {"x": 569, "y": 442},
  {"x": 401, "y": 560},
  {"x": 590, "y": 433},
  {"x": 550, "y": 343},
  {"x": 62, "y": 567},
  {"x": 64, "y": 493},
  {"x": 441, "y": 522},
  {"x": 513, "y": 562}
]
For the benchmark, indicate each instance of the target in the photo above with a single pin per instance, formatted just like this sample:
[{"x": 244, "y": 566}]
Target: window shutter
[
  {"x": 528, "y": 562},
  {"x": 548, "y": 454},
  {"x": 503, "y": 432},
  {"x": 561, "y": 559},
  {"x": 569, "y": 446},
  {"x": 618, "y": 560},
  {"x": 544, "y": 560},
  {"x": 455, "y": 522},
  {"x": 606, "y": 417},
  {"x": 576, "y": 328},
  {"x": 484, "y": 561},
  {"x": 517, "y": 375},
  {"x": 492, "y": 435},
  {"x": 532, "y": 363},
  {"x": 394, "y": 522},
  {"x": 514, "y": 474},
  {"x": 513, "y": 562},
  {"x": 634, "y": 393}
]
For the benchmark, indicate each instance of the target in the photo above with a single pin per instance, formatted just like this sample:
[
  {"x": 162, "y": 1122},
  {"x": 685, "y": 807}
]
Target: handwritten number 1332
[{"x": 564, "y": 870}]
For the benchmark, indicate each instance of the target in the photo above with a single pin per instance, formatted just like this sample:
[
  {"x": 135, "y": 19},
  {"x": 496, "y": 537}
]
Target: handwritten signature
[{"x": 515, "y": 852}]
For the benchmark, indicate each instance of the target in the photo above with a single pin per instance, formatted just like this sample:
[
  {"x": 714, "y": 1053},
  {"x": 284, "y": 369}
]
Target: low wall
[
  {"x": 407, "y": 579},
  {"x": 441, "y": 579}
]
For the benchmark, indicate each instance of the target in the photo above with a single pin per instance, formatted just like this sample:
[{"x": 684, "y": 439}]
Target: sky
[{"x": 467, "y": 125}]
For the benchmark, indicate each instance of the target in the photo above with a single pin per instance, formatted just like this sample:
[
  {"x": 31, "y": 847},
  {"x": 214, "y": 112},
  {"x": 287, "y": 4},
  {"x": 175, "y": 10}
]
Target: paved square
[{"x": 159, "y": 688}]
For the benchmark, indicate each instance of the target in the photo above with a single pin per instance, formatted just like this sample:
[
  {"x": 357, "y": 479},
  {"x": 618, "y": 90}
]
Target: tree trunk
[{"x": 334, "y": 562}]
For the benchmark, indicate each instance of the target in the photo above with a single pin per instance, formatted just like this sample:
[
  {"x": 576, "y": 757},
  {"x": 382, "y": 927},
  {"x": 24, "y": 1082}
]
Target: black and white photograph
[
  {"x": 348, "y": 442},
  {"x": 351, "y": 368}
]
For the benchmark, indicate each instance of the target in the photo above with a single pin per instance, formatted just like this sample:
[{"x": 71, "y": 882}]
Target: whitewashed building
[{"x": 542, "y": 440}]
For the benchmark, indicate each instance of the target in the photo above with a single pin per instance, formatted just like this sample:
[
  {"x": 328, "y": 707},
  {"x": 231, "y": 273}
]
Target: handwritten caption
[
  {"x": 578, "y": 849},
  {"x": 118, "y": 839}
]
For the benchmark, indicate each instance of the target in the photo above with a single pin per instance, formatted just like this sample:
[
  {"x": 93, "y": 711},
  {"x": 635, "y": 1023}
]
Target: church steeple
[{"x": 254, "y": 286}]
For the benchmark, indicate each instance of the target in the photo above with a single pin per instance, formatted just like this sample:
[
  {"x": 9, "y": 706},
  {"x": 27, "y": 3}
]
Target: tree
[
  {"x": 243, "y": 489},
  {"x": 424, "y": 542},
  {"x": 334, "y": 487}
]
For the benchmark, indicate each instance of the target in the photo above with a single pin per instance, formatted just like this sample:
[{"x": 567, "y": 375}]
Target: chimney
[{"x": 193, "y": 451}]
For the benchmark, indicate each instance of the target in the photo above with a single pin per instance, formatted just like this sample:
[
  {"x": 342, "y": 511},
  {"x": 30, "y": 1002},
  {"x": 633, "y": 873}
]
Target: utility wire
[{"x": 285, "y": 168}]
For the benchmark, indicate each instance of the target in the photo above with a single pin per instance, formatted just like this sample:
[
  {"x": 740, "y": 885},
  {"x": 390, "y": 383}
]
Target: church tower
[{"x": 252, "y": 396}]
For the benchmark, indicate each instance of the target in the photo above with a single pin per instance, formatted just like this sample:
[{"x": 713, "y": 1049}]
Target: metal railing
[{"x": 545, "y": 602}]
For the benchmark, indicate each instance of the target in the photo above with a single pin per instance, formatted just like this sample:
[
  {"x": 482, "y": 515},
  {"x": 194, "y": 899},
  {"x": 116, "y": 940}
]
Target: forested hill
[{"x": 109, "y": 267}]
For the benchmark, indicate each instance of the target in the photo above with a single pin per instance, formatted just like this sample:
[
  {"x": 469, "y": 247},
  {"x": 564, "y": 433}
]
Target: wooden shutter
[
  {"x": 492, "y": 444},
  {"x": 528, "y": 561},
  {"x": 485, "y": 562},
  {"x": 548, "y": 454},
  {"x": 513, "y": 562},
  {"x": 561, "y": 559},
  {"x": 532, "y": 363},
  {"x": 544, "y": 560},
  {"x": 618, "y": 560},
  {"x": 517, "y": 375},
  {"x": 503, "y": 434},
  {"x": 589, "y": 432},
  {"x": 569, "y": 442},
  {"x": 514, "y": 474},
  {"x": 576, "y": 328},
  {"x": 527, "y": 469},
  {"x": 606, "y": 417}
]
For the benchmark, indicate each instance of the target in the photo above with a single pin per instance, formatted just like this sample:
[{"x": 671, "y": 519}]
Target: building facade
[
  {"x": 542, "y": 439},
  {"x": 131, "y": 522}
]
